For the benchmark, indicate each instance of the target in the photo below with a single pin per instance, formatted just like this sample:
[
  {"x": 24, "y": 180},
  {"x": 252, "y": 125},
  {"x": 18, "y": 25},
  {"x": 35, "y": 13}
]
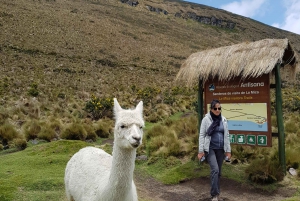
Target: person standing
[{"x": 214, "y": 145}]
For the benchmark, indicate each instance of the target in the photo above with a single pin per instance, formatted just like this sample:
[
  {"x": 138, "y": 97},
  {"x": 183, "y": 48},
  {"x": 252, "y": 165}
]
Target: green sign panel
[
  {"x": 262, "y": 140},
  {"x": 232, "y": 138},
  {"x": 251, "y": 139},
  {"x": 240, "y": 139}
]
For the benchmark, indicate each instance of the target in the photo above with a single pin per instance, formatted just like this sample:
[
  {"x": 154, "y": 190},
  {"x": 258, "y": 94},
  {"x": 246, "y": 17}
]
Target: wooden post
[
  {"x": 279, "y": 114},
  {"x": 200, "y": 103}
]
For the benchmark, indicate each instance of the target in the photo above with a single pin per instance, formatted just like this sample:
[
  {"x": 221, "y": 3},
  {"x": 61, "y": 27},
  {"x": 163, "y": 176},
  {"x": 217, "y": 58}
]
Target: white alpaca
[{"x": 94, "y": 175}]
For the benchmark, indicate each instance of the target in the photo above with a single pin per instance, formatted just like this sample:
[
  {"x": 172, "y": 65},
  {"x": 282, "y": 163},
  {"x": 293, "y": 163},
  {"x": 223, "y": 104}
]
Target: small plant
[
  {"x": 99, "y": 108},
  {"x": 33, "y": 91},
  {"x": 61, "y": 95}
]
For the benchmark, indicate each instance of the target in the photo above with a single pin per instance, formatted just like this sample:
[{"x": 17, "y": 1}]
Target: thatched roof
[{"x": 245, "y": 59}]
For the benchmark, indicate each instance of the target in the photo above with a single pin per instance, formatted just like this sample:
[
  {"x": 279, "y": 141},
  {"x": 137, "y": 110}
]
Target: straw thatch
[{"x": 245, "y": 59}]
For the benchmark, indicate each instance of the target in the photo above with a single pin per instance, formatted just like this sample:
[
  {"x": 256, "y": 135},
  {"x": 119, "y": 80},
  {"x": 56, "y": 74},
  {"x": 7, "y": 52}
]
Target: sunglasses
[{"x": 219, "y": 108}]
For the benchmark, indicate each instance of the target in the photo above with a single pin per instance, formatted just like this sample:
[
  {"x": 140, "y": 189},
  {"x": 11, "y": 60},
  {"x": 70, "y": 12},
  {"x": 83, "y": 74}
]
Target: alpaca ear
[
  {"x": 117, "y": 107},
  {"x": 139, "y": 107}
]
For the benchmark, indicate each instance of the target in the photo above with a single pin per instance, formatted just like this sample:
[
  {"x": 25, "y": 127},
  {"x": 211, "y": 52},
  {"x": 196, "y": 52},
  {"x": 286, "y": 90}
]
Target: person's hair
[{"x": 213, "y": 103}]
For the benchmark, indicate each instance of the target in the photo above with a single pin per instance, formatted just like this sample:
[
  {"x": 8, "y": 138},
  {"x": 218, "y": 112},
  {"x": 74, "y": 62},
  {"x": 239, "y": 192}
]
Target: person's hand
[
  {"x": 200, "y": 155},
  {"x": 228, "y": 154}
]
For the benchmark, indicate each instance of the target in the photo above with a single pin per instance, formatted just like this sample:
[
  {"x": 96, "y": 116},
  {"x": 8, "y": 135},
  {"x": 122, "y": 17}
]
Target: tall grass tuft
[
  {"x": 7, "y": 133},
  {"x": 47, "y": 133},
  {"x": 20, "y": 143},
  {"x": 31, "y": 129},
  {"x": 74, "y": 131},
  {"x": 292, "y": 157},
  {"x": 90, "y": 131},
  {"x": 103, "y": 128}
]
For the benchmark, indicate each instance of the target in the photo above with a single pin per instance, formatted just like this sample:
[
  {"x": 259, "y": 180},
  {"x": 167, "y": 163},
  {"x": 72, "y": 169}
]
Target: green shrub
[
  {"x": 147, "y": 94},
  {"x": 242, "y": 153},
  {"x": 99, "y": 108},
  {"x": 20, "y": 143},
  {"x": 33, "y": 91},
  {"x": 265, "y": 170},
  {"x": 31, "y": 129},
  {"x": 74, "y": 132},
  {"x": 7, "y": 133}
]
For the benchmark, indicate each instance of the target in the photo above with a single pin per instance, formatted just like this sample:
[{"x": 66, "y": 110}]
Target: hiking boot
[{"x": 214, "y": 198}]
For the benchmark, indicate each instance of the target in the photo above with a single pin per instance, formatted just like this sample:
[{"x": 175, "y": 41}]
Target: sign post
[{"x": 281, "y": 137}]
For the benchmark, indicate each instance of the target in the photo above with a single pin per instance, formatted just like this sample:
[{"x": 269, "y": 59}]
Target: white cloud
[
  {"x": 247, "y": 8},
  {"x": 276, "y": 25},
  {"x": 292, "y": 16}
]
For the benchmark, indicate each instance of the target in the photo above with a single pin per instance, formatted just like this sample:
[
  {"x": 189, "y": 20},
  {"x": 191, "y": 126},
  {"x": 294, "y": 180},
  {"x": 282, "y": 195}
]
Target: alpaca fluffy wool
[{"x": 94, "y": 175}]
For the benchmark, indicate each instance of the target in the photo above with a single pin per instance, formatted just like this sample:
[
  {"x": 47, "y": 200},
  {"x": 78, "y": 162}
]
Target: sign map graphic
[{"x": 246, "y": 116}]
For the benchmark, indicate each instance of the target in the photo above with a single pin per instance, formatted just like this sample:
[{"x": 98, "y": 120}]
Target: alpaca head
[{"x": 129, "y": 126}]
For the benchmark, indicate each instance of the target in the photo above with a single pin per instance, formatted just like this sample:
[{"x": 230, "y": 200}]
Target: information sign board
[{"x": 246, "y": 105}]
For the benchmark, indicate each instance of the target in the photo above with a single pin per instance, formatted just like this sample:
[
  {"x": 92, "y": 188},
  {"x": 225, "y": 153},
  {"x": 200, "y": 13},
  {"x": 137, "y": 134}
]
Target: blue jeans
[{"x": 215, "y": 159}]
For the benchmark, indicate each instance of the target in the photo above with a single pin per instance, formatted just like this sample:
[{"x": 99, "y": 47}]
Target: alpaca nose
[{"x": 137, "y": 138}]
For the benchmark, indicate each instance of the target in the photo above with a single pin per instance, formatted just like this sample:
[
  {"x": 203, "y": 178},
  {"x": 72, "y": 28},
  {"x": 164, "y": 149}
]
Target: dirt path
[{"x": 198, "y": 190}]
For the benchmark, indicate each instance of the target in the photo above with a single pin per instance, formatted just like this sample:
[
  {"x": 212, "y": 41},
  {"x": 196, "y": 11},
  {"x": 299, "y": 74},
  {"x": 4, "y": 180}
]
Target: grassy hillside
[
  {"x": 61, "y": 62},
  {"x": 36, "y": 173},
  {"x": 72, "y": 49}
]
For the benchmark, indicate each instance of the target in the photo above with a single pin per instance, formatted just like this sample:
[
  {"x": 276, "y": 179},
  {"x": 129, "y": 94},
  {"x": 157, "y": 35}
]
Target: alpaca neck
[{"x": 121, "y": 174}]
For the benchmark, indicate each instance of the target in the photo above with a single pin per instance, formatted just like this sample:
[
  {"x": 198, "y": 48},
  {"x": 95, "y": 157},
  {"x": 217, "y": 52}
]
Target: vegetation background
[{"x": 62, "y": 62}]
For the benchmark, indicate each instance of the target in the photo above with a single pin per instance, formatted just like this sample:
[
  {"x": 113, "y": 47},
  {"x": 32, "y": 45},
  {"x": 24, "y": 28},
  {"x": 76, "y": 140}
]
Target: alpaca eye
[
  {"x": 123, "y": 126},
  {"x": 141, "y": 127}
]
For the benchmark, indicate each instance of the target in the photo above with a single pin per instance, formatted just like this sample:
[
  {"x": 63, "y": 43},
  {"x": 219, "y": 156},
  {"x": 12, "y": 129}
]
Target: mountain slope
[{"x": 76, "y": 48}]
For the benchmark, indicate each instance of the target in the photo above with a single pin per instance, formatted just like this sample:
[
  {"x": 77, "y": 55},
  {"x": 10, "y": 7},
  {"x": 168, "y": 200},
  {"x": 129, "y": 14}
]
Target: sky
[{"x": 283, "y": 14}]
